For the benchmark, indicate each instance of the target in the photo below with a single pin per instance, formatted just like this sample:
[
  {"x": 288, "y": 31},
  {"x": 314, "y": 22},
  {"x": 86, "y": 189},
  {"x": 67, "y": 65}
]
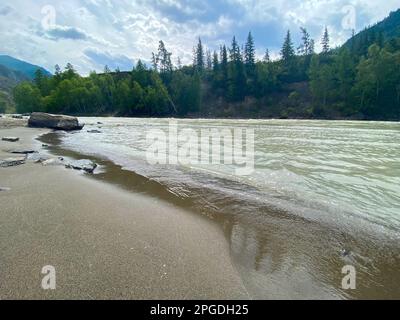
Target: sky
[{"x": 93, "y": 33}]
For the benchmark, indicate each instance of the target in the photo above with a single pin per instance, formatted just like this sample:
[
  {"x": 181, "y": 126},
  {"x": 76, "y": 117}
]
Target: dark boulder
[
  {"x": 22, "y": 151},
  {"x": 10, "y": 139},
  {"x": 57, "y": 122}
]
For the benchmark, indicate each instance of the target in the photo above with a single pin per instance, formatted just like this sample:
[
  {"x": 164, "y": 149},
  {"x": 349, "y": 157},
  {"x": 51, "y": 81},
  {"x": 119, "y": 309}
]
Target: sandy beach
[{"x": 104, "y": 242}]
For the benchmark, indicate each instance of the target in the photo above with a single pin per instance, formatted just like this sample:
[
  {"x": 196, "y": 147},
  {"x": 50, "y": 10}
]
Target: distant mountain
[
  {"x": 12, "y": 75},
  {"x": 8, "y": 80},
  {"x": 20, "y": 66},
  {"x": 383, "y": 31}
]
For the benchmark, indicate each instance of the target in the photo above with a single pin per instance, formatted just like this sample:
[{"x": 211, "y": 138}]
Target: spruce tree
[
  {"x": 287, "y": 51},
  {"x": 325, "y": 41},
  {"x": 237, "y": 77},
  {"x": 266, "y": 56},
  {"x": 250, "y": 53},
  {"x": 234, "y": 53},
  {"x": 199, "y": 58}
]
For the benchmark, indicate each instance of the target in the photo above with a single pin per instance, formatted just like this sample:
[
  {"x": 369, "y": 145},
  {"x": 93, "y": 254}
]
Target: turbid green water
[{"x": 318, "y": 188}]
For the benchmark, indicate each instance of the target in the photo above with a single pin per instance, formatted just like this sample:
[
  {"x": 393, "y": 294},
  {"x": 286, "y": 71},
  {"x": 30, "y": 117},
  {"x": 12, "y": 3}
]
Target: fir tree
[
  {"x": 250, "y": 53},
  {"x": 325, "y": 41},
  {"x": 287, "y": 52},
  {"x": 266, "y": 56},
  {"x": 199, "y": 62}
]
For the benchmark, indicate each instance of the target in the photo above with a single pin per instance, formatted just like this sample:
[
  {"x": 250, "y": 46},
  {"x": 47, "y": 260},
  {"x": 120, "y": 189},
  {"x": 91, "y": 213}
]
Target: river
[{"x": 320, "y": 195}]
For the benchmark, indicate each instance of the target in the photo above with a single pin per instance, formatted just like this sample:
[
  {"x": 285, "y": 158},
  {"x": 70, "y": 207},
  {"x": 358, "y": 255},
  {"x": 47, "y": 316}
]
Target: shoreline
[{"x": 105, "y": 242}]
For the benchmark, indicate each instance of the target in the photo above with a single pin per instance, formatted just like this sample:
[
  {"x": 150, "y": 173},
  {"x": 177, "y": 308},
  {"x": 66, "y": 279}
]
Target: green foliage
[
  {"x": 378, "y": 83},
  {"x": 185, "y": 92},
  {"x": 141, "y": 92},
  {"x": 27, "y": 98},
  {"x": 322, "y": 80}
]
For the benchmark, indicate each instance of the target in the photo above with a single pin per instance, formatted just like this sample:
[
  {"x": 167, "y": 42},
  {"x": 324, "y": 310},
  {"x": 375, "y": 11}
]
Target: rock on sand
[
  {"x": 57, "y": 122},
  {"x": 10, "y": 139}
]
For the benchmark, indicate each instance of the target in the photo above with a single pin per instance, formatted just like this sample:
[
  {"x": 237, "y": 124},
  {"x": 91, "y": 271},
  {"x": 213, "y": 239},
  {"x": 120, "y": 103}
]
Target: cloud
[
  {"x": 63, "y": 32},
  {"x": 100, "y": 59},
  {"x": 5, "y": 10},
  {"x": 58, "y": 32}
]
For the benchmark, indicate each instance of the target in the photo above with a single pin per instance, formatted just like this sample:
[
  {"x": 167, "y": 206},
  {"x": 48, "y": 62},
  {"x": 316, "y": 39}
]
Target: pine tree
[
  {"x": 287, "y": 51},
  {"x": 234, "y": 52},
  {"x": 266, "y": 56},
  {"x": 198, "y": 58},
  {"x": 305, "y": 47},
  {"x": 237, "y": 77},
  {"x": 250, "y": 53},
  {"x": 163, "y": 59},
  {"x": 325, "y": 41}
]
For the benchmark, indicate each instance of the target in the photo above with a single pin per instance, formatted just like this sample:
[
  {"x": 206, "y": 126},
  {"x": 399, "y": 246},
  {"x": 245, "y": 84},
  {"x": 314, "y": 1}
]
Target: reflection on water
[{"x": 320, "y": 187}]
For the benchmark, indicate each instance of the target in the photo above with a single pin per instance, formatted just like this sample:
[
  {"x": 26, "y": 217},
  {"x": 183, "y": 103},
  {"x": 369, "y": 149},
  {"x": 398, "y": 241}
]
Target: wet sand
[{"x": 104, "y": 242}]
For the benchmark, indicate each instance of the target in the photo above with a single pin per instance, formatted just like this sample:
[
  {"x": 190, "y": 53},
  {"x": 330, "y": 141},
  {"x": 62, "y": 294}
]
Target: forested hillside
[
  {"x": 385, "y": 30},
  {"x": 8, "y": 80},
  {"x": 360, "y": 80},
  {"x": 12, "y": 72}
]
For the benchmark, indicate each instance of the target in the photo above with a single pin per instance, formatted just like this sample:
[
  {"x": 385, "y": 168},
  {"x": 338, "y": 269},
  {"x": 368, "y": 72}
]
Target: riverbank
[{"x": 104, "y": 242}]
